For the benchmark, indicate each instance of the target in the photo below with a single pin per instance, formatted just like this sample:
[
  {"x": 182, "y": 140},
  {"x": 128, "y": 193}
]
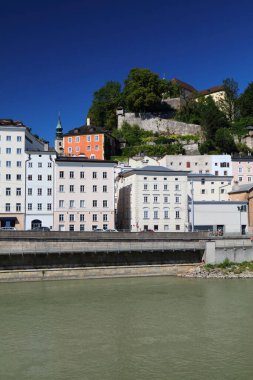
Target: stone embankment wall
[
  {"x": 152, "y": 123},
  {"x": 235, "y": 250}
]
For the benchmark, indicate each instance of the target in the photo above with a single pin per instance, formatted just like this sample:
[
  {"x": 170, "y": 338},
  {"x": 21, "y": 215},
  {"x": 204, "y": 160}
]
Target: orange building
[{"x": 92, "y": 142}]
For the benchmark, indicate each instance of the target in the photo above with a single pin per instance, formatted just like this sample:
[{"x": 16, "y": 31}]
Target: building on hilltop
[{"x": 89, "y": 141}]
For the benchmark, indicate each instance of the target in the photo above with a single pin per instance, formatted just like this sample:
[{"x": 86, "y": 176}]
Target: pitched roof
[
  {"x": 183, "y": 85},
  {"x": 153, "y": 169},
  {"x": 86, "y": 130},
  {"x": 212, "y": 90},
  {"x": 242, "y": 189}
]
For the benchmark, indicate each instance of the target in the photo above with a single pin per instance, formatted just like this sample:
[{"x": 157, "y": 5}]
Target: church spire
[{"x": 59, "y": 130}]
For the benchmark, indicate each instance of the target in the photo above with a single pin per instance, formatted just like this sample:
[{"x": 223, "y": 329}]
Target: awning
[{"x": 8, "y": 218}]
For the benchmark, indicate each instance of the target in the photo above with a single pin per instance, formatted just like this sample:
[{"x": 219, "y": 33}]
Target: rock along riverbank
[{"x": 227, "y": 273}]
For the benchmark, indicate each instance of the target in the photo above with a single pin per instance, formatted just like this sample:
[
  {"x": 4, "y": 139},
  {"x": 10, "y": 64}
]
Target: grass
[{"x": 228, "y": 266}]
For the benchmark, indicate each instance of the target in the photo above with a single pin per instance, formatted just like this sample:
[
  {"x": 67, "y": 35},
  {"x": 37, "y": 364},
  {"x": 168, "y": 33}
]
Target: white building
[
  {"x": 219, "y": 165},
  {"x": 208, "y": 187},
  {"x": 152, "y": 197},
  {"x": 39, "y": 189},
  {"x": 15, "y": 139},
  {"x": 221, "y": 217},
  {"x": 84, "y": 194}
]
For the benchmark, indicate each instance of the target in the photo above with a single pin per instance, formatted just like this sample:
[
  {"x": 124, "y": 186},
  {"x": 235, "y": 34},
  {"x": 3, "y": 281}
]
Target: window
[
  {"x": 145, "y": 214},
  {"x": 212, "y": 191},
  {"x": 70, "y": 139},
  {"x": 69, "y": 149},
  {"x": 8, "y": 138},
  {"x": 105, "y": 226},
  {"x": 39, "y": 177},
  {"x": 77, "y": 139},
  {"x": 88, "y": 138},
  {"x": 8, "y": 177},
  {"x": 71, "y": 174},
  {"x": 49, "y": 191},
  {"x": 105, "y": 217},
  {"x": 94, "y": 217},
  {"x": 249, "y": 179},
  {"x": 203, "y": 191},
  {"x": 94, "y": 203},
  {"x": 225, "y": 172},
  {"x": 188, "y": 164},
  {"x": 223, "y": 191},
  {"x": 61, "y": 203},
  {"x": 81, "y": 227},
  {"x": 18, "y": 191},
  {"x": 19, "y": 138},
  {"x": 61, "y": 217},
  {"x": 49, "y": 164},
  {"x": 71, "y": 217},
  {"x": 166, "y": 227},
  {"x": 71, "y": 203},
  {"x": 39, "y": 164},
  {"x": 203, "y": 181},
  {"x": 155, "y": 178},
  {"x": 155, "y": 214},
  {"x": 145, "y": 178},
  {"x": 81, "y": 217},
  {"x": 82, "y": 188},
  {"x": 105, "y": 203},
  {"x": 49, "y": 177},
  {"x": 81, "y": 174},
  {"x": 71, "y": 188},
  {"x": 165, "y": 187},
  {"x": 8, "y": 164},
  {"x": 8, "y": 150},
  {"x": 92, "y": 157},
  {"x": 71, "y": 227},
  {"x": 104, "y": 175},
  {"x": 30, "y": 191},
  {"x": 30, "y": 164},
  {"x": 166, "y": 213},
  {"x": 156, "y": 187},
  {"x": 145, "y": 199},
  {"x": 216, "y": 172},
  {"x": 155, "y": 199},
  {"x": 18, "y": 207},
  {"x": 29, "y": 206},
  {"x": 145, "y": 186},
  {"x": 177, "y": 214},
  {"x": 8, "y": 191},
  {"x": 104, "y": 189},
  {"x": 19, "y": 164},
  {"x": 39, "y": 192},
  {"x": 82, "y": 203},
  {"x": 94, "y": 188},
  {"x": 88, "y": 147},
  {"x": 177, "y": 227},
  {"x": 61, "y": 174},
  {"x": 240, "y": 179},
  {"x": 96, "y": 137},
  {"x": 166, "y": 199},
  {"x": 19, "y": 150},
  {"x": 94, "y": 175},
  {"x": 30, "y": 177},
  {"x": 177, "y": 187},
  {"x": 7, "y": 207},
  {"x": 77, "y": 149},
  {"x": 61, "y": 188},
  {"x": 96, "y": 147},
  {"x": 49, "y": 206},
  {"x": 39, "y": 206}
]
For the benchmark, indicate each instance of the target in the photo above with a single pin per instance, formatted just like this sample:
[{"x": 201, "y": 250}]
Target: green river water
[{"x": 127, "y": 329}]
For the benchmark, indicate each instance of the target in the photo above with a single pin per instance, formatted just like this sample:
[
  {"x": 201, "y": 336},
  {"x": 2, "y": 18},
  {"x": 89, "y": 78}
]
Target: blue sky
[{"x": 56, "y": 53}]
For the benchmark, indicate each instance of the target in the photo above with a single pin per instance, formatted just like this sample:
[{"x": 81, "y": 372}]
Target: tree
[
  {"x": 132, "y": 134},
  {"x": 229, "y": 104},
  {"x": 144, "y": 91},
  {"x": 105, "y": 102},
  {"x": 246, "y": 102},
  {"x": 224, "y": 141}
]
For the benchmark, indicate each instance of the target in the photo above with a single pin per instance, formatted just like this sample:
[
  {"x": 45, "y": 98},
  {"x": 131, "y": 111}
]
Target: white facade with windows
[
  {"x": 220, "y": 165},
  {"x": 152, "y": 198},
  {"x": 84, "y": 194},
  {"x": 207, "y": 187},
  {"x": 39, "y": 189},
  {"x": 15, "y": 139}
]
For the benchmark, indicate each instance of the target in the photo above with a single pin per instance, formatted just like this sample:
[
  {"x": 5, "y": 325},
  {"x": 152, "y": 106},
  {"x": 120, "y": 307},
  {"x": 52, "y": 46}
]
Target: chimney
[
  {"x": 88, "y": 121},
  {"x": 46, "y": 146}
]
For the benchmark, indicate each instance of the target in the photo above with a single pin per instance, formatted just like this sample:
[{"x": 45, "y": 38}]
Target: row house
[
  {"x": 152, "y": 198},
  {"x": 219, "y": 165},
  {"x": 242, "y": 167},
  {"x": 84, "y": 194},
  {"x": 208, "y": 187},
  {"x": 15, "y": 140}
]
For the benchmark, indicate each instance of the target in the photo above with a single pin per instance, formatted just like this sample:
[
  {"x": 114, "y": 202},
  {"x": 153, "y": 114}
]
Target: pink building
[{"x": 242, "y": 169}]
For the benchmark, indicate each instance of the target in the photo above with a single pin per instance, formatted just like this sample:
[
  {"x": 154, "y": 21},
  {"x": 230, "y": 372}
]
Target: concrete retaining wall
[{"x": 235, "y": 251}]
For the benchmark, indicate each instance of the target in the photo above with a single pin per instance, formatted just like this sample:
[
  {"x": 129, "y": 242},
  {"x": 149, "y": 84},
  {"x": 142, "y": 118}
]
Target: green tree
[
  {"x": 132, "y": 134},
  {"x": 105, "y": 102},
  {"x": 246, "y": 102},
  {"x": 229, "y": 104},
  {"x": 144, "y": 91},
  {"x": 225, "y": 141}
]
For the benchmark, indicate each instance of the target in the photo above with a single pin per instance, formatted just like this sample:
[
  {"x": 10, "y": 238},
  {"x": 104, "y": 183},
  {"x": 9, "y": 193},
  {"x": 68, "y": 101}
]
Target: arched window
[{"x": 36, "y": 223}]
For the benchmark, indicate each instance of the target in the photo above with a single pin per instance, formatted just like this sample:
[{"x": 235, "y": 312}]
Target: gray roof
[
  {"x": 154, "y": 169},
  {"x": 242, "y": 188}
]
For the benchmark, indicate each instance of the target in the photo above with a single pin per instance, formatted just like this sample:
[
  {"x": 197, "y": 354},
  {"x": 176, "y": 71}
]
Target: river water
[{"x": 127, "y": 329}]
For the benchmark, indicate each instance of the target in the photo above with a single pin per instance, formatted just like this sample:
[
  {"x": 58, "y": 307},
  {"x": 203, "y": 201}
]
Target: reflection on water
[{"x": 127, "y": 329}]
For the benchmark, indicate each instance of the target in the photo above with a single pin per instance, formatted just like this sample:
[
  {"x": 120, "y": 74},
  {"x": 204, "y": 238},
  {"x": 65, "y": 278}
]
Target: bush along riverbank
[{"x": 227, "y": 269}]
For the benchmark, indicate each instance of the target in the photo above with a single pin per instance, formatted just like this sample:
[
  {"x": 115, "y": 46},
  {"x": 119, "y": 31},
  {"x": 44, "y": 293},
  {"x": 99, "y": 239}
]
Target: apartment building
[
  {"x": 219, "y": 165},
  {"x": 152, "y": 197},
  {"x": 242, "y": 169},
  {"x": 15, "y": 139},
  {"x": 84, "y": 194},
  {"x": 39, "y": 189},
  {"x": 208, "y": 187}
]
